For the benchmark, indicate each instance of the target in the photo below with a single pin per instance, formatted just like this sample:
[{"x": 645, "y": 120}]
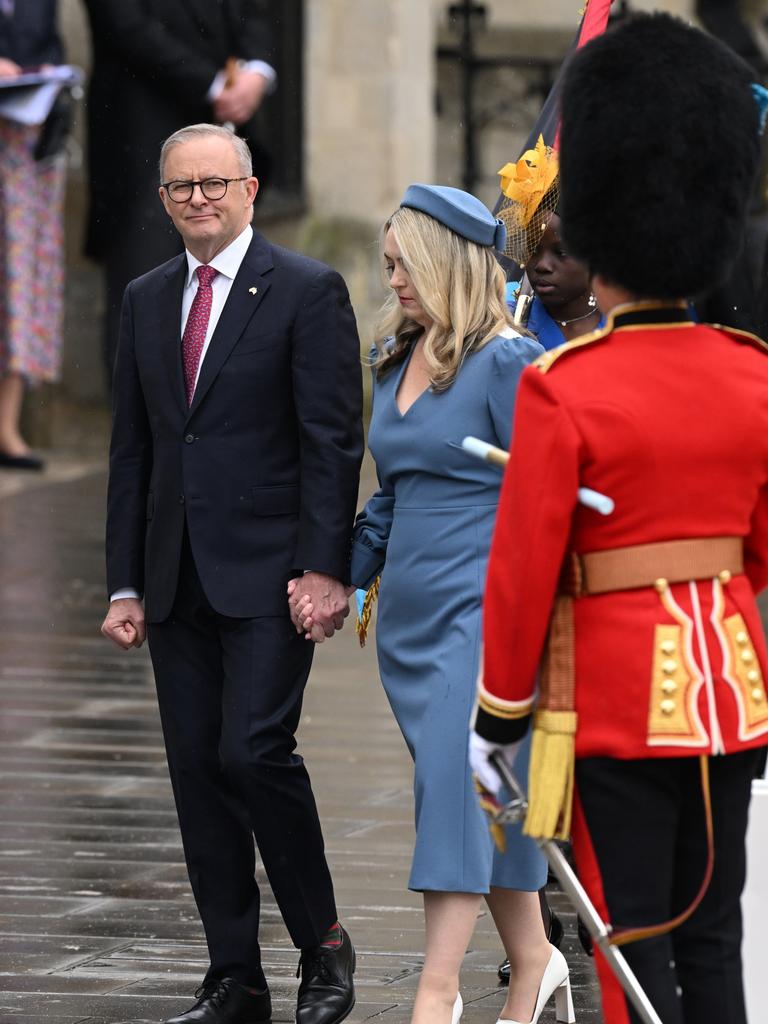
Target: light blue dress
[{"x": 427, "y": 530}]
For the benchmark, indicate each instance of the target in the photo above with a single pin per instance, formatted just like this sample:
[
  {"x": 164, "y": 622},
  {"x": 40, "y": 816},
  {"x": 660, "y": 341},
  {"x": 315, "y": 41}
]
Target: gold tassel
[
  {"x": 551, "y": 775},
  {"x": 364, "y": 618}
]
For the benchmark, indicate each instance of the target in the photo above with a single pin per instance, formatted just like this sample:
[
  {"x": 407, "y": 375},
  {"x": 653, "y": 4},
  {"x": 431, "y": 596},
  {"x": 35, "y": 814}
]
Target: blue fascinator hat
[{"x": 461, "y": 212}]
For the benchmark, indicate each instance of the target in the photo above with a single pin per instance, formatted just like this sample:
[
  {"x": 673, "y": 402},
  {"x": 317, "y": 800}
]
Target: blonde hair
[{"x": 461, "y": 289}]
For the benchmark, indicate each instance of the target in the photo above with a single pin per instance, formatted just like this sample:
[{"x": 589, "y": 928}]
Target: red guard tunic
[{"x": 669, "y": 418}]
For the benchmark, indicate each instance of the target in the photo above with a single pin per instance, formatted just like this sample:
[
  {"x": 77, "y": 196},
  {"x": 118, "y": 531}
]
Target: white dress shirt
[{"x": 227, "y": 263}]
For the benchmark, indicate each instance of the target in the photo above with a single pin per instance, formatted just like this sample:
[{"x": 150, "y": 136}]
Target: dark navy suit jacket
[{"x": 264, "y": 464}]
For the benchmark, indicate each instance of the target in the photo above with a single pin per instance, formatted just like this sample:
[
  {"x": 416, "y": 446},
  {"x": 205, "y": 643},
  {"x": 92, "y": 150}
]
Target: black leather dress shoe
[
  {"x": 227, "y": 1002},
  {"x": 326, "y": 992}
]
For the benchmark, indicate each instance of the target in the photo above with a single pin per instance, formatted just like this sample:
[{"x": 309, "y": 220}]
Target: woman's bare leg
[
  {"x": 11, "y": 398},
  {"x": 449, "y": 919},
  {"x": 517, "y": 916}
]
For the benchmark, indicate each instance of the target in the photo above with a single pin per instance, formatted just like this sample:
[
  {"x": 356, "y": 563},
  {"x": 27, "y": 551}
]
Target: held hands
[
  {"x": 480, "y": 751},
  {"x": 318, "y": 605},
  {"x": 124, "y": 624},
  {"x": 239, "y": 101}
]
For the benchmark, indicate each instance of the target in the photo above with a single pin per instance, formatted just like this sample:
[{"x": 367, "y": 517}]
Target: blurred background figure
[
  {"x": 726, "y": 21},
  {"x": 31, "y": 233},
  {"x": 159, "y": 65},
  {"x": 742, "y": 299}
]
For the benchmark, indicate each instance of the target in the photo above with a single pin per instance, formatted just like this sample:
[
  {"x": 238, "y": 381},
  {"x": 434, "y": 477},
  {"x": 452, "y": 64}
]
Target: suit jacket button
[
  {"x": 181, "y": 499},
  {"x": 189, "y": 438}
]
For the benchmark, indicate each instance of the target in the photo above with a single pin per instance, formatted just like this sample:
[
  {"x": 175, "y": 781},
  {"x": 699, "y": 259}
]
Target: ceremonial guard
[{"x": 633, "y": 641}]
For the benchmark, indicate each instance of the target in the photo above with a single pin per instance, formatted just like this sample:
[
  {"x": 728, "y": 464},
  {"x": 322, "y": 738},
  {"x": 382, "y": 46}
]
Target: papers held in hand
[{"x": 28, "y": 98}]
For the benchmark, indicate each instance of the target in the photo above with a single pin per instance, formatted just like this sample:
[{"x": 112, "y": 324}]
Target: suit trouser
[
  {"x": 640, "y": 846},
  {"x": 230, "y": 693}
]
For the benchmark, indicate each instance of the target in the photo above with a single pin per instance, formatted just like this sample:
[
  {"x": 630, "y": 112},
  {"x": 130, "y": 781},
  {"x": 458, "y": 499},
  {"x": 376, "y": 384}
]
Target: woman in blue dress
[{"x": 447, "y": 365}]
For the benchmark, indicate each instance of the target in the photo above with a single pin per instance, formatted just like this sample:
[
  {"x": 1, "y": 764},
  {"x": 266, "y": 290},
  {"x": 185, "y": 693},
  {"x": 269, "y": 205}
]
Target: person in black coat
[
  {"x": 28, "y": 34},
  {"x": 159, "y": 65},
  {"x": 236, "y": 448}
]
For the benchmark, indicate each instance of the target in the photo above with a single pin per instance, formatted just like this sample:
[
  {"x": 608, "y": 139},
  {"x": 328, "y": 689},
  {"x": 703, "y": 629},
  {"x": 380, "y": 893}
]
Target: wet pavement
[{"x": 97, "y": 923}]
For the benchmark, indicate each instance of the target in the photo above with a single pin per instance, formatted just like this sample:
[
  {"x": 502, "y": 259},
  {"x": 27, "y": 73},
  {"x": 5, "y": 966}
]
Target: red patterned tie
[{"x": 197, "y": 324}]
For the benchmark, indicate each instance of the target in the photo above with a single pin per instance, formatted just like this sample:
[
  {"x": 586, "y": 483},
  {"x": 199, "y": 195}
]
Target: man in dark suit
[
  {"x": 234, "y": 466},
  {"x": 158, "y": 65}
]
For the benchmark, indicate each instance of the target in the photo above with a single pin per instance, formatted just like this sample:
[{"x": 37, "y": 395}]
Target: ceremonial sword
[{"x": 490, "y": 453}]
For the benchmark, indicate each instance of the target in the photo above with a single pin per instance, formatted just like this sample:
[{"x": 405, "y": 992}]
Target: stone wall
[{"x": 370, "y": 127}]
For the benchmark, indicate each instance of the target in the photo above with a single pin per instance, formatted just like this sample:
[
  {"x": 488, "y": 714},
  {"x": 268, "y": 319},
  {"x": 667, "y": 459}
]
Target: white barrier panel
[{"x": 754, "y": 906}]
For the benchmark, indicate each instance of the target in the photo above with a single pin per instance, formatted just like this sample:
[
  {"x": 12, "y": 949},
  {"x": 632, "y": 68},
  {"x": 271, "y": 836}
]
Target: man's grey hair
[{"x": 201, "y": 131}]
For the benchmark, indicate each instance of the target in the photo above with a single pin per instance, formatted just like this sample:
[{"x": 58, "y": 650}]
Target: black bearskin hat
[{"x": 659, "y": 153}]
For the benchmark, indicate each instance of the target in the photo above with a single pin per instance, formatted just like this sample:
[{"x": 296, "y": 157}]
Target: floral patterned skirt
[{"x": 31, "y": 256}]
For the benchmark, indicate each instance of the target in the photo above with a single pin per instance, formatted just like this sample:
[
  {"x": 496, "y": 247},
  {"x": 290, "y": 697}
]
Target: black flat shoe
[
  {"x": 227, "y": 1002},
  {"x": 20, "y": 462},
  {"x": 555, "y": 936},
  {"x": 327, "y": 991}
]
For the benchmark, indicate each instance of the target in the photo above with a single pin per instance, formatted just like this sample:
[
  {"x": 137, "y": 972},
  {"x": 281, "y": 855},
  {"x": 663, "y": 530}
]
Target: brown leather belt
[{"x": 653, "y": 565}]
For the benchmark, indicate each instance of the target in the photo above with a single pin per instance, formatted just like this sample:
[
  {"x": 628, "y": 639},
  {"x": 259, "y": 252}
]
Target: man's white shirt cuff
[{"x": 260, "y": 67}]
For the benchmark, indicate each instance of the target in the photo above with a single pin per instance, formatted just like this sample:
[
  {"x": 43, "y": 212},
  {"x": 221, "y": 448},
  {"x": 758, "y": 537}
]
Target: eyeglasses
[{"x": 212, "y": 188}]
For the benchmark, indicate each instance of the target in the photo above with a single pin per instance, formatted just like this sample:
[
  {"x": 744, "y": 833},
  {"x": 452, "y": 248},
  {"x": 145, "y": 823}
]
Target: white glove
[{"x": 479, "y": 752}]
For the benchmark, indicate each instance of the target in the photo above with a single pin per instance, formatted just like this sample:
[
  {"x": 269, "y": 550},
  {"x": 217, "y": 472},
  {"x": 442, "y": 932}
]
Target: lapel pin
[{"x": 253, "y": 290}]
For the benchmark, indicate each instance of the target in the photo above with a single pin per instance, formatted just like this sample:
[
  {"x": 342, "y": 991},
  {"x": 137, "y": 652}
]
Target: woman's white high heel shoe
[
  {"x": 556, "y": 981},
  {"x": 458, "y": 1009}
]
